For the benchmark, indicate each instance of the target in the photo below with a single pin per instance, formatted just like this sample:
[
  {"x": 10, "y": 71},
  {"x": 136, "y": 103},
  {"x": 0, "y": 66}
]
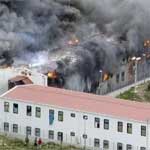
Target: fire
[
  {"x": 70, "y": 42},
  {"x": 105, "y": 77},
  {"x": 148, "y": 56},
  {"x": 52, "y": 74},
  {"x": 74, "y": 41},
  {"x": 147, "y": 43}
]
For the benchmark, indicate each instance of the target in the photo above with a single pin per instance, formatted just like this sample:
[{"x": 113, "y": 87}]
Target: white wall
[
  {"x": 74, "y": 125},
  {"x": 7, "y": 73}
]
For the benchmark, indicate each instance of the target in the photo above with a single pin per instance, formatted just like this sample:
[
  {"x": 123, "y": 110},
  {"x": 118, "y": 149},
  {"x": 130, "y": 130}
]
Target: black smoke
[{"x": 108, "y": 31}]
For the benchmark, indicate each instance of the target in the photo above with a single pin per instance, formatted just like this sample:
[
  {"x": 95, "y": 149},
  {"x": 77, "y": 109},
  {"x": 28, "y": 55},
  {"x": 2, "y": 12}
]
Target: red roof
[{"x": 80, "y": 101}]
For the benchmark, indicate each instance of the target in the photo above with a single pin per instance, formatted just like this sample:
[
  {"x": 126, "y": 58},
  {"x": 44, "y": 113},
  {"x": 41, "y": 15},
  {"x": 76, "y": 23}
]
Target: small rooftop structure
[
  {"x": 78, "y": 101},
  {"x": 24, "y": 79},
  {"x": 18, "y": 80}
]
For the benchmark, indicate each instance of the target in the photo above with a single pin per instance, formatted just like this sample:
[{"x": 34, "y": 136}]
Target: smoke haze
[{"x": 29, "y": 27}]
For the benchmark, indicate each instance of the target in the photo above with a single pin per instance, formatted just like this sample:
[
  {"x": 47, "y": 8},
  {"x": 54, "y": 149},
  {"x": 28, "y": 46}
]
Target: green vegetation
[
  {"x": 7, "y": 143},
  {"x": 130, "y": 94},
  {"x": 142, "y": 93}
]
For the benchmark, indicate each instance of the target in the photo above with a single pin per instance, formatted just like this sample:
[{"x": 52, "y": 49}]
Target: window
[
  {"x": 106, "y": 124},
  {"x": 97, "y": 123},
  {"x": 60, "y": 136},
  {"x": 15, "y": 108},
  {"x": 119, "y": 146},
  {"x": 143, "y": 130},
  {"x": 38, "y": 112},
  {"x": 60, "y": 116},
  {"x": 28, "y": 130},
  {"x": 29, "y": 110},
  {"x": 84, "y": 136},
  {"x": 85, "y": 117},
  {"x": 6, "y": 106},
  {"x": 51, "y": 134},
  {"x": 106, "y": 144},
  {"x": 123, "y": 76},
  {"x": 37, "y": 132},
  {"x": 96, "y": 142},
  {"x": 73, "y": 115},
  {"x": 142, "y": 148},
  {"x": 120, "y": 126},
  {"x": 6, "y": 126},
  {"x": 15, "y": 128},
  {"x": 129, "y": 147},
  {"x": 51, "y": 116},
  {"x": 117, "y": 78},
  {"x": 129, "y": 128},
  {"x": 72, "y": 133}
]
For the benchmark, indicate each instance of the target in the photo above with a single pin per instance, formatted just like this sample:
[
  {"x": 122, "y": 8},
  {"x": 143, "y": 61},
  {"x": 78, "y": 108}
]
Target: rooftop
[
  {"x": 24, "y": 79},
  {"x": 80, "y": 101}
]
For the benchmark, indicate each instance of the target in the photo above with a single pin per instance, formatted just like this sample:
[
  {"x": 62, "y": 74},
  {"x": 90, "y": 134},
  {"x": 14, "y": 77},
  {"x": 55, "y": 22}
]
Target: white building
[
  {"x": 76, "y": 118},
  {"x": 10, "y": 72}
]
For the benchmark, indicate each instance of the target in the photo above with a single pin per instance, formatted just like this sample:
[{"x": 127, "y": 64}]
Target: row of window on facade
[
  {"x": 106, "y": 123},
  {"x": 61, "y": 118},
  {"x": 37, "y": 112},
  {"x": 128, "y": 147},
  {"x": 28, "y": 109},
  {"x": 37, "y": 133},
  {"x": 119, "y": 145},
  {"x": 119, "y": 126}
]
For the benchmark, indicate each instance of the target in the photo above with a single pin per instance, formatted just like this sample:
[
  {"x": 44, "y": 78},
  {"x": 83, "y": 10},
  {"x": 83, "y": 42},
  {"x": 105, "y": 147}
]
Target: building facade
[{"x": 75, "y": 118}]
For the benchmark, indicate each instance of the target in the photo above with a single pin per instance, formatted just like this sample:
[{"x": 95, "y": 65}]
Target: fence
[{"x": 143, "y": 74}]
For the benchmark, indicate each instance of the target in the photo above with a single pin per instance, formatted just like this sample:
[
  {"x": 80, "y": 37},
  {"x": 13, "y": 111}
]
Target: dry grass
[
  {"x": 142, "y": 94},
  {"x": 7, "y": 143}
]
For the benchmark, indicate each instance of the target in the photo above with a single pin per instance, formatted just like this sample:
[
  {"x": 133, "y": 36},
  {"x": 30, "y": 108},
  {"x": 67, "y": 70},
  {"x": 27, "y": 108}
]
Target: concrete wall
[
  {"x": 77, "y": 125},
  {"x": 111, "y": 84},
  {"x": 143, "y": 72}
]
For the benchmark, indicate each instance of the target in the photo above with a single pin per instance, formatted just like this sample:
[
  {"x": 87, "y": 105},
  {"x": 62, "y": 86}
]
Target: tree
[{"x": 148, "y": 86}]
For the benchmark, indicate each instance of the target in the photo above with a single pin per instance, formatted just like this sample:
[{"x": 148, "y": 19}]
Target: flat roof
[{"x": 79, "y": 101}]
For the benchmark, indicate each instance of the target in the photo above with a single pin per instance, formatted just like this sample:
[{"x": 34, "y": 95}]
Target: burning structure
[{"x": 79, "y": 37}]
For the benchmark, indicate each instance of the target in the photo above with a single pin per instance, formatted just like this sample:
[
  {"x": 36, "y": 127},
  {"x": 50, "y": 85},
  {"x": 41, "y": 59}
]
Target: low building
[
  {"x": 75, "y": 118},
  {"x": 18, "y": 80},
  {"x": 10, "y": 73}
]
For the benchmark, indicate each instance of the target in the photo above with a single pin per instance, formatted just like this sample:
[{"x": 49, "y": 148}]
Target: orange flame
[
  {"x": 70, "y": 42},
  {"x": 147, "y": 43},
  {"x": 148, "y": 56},
  {"x": 52, "y": 74},
  {"x": 106, "y": 77},
  {"x": 74, "y": 41}
]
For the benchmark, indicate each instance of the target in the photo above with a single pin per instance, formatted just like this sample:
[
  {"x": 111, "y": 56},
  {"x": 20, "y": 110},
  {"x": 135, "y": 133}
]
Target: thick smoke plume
[{"x": 107, "y": 30}]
